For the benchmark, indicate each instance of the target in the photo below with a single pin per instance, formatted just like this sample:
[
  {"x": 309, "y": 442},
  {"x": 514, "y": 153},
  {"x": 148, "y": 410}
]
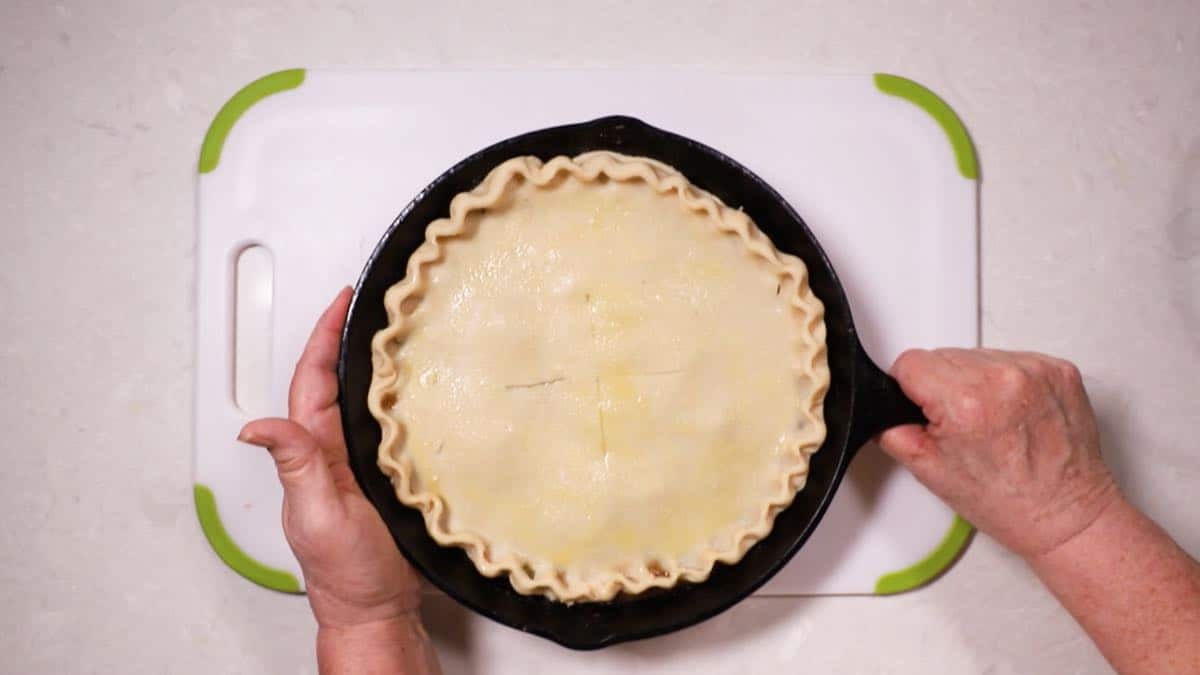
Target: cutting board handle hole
[{"x": 254, "y": 297}]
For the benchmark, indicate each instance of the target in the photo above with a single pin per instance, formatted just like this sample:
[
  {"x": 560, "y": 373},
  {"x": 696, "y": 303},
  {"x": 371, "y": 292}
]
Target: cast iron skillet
[{"x": 862, "y": 400}]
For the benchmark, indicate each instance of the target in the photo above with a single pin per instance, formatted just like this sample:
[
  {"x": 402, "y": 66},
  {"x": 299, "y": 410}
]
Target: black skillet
[{"x": 862, "y": 400}]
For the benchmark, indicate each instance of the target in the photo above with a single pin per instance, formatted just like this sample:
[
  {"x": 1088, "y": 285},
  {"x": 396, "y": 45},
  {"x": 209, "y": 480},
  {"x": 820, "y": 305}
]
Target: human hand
[
  {"x": 1011, "y": 443},
  {"x": 353, "y": 572}
]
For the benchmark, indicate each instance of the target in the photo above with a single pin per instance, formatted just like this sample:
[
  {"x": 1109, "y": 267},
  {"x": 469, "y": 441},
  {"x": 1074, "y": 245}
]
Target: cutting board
[{"x": 301, "y": 172}]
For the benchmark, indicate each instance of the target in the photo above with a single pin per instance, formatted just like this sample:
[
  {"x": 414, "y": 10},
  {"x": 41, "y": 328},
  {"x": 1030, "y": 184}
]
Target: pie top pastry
[{"x": 597, "y": 378}]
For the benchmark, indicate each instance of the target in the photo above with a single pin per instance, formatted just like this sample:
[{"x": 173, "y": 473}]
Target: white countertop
[{"x": 1085, "y": 122}]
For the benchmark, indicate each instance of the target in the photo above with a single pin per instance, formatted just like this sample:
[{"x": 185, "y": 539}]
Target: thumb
[
  {"x": 302, "y": 468},
  {"x": 907, "y": 443}
]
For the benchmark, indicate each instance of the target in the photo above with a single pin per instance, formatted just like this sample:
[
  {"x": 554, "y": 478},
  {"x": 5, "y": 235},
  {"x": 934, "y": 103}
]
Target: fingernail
[{"x": 247, "y": 436}]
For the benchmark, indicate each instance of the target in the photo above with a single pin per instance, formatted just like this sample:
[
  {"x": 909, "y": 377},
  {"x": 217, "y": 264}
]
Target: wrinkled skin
[{"x": 1011, "y": 443}]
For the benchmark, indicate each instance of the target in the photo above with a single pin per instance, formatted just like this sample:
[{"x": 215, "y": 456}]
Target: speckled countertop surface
[{"x": 1084, "y": 115}]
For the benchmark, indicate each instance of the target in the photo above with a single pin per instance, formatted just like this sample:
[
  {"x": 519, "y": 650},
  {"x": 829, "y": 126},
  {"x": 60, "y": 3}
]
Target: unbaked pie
[{"x": 597, "y": 378}]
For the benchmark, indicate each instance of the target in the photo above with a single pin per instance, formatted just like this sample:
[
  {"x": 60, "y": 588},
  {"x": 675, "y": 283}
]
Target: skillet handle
[{"x": 879, "y": 403}]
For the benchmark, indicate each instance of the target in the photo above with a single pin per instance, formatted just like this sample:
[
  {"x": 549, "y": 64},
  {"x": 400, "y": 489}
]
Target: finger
[
  {"x": 1008, "y": 355},
  {"x": 916, "y": 450},
  {"x": 1048, "y": 368},
  {"x": 1055, "y": 370},
  {"x": 907, "y": 443},
  {"x": 298, "y": 461},
  {"x": 925, "y": 377},
  {"x": 314, "y": 384},
  {"x": 970, "y": 360}
]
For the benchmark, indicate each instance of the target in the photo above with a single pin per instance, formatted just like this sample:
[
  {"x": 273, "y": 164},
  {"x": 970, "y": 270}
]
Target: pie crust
[{"x": 597, "y": 378}]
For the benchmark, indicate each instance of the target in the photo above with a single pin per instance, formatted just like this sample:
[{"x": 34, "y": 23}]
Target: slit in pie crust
[{"x": 597, "y": 378}]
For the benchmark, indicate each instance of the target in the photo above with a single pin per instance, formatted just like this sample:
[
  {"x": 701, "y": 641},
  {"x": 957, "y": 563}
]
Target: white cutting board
[{"x": 313, "y": 165}]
